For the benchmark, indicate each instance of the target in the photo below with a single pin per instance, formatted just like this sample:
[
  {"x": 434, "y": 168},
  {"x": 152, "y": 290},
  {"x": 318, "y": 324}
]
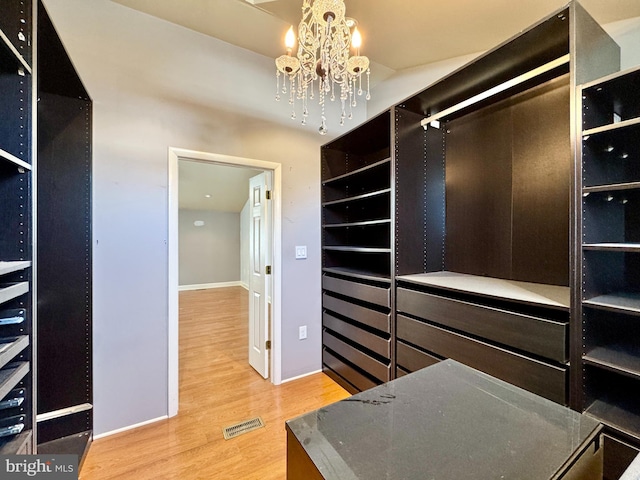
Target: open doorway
[{"x": 273, "y": 173}]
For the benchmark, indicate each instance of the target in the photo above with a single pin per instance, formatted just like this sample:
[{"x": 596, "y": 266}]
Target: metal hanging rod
[{"x": 434, "y": 120}]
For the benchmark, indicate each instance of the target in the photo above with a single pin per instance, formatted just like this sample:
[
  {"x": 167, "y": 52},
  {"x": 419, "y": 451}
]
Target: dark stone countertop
[{"x": 447, "y": 421}]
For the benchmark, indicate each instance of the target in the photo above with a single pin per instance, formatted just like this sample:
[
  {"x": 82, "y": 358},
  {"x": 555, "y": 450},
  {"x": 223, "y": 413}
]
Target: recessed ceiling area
[
  {"x": 209, "y": 186},
  {"x": 396, "y": 34}
]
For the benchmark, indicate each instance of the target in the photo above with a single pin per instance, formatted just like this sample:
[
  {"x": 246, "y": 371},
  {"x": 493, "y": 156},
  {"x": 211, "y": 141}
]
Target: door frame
[{"x": 174, "y": 156}]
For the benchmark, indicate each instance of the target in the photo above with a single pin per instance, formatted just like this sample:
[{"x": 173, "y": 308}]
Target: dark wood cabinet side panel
[
  {"x": 542, "y": 184},
  {"x": 64, "y": 254},
  {"x": 478, "y": 193},
  {"x": 410, "y": 195}
]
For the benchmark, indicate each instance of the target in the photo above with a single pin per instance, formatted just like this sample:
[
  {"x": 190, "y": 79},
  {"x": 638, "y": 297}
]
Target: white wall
[
  {"x": 209, "y": 253},
  {"x": 245, "y": 218},
  {"x": 129, "y": 62},
  {"x": 156, "y": 85}
]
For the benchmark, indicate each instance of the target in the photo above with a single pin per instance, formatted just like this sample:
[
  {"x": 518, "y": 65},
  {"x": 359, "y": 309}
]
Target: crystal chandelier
[{"x": 324, "y": 41}]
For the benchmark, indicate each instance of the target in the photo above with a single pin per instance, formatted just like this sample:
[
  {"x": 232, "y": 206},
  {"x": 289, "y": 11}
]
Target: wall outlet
[
  {"x": 301, "y": 252},
  {"x": 302, "y": 332}
]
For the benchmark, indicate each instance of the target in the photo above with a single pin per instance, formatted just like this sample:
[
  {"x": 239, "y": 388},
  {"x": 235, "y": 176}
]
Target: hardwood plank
[{"x": 217, "y": 388}]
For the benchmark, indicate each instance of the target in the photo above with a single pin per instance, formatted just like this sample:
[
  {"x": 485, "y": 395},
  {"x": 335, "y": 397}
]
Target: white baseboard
[
  {"x": 301, "y": 376},
  {"x": 245, "y": 286},
  {"x": 130, "y": 427},
  {"x": 203, "y": 286}
]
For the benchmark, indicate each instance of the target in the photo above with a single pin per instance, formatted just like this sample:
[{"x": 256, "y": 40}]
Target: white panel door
[{"x": 258, "y": 280}]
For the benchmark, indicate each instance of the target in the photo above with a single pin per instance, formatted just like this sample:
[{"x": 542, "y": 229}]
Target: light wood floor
[{"x": 217, "y": 389}]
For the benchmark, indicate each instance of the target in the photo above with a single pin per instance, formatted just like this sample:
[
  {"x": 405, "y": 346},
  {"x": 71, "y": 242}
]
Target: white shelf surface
[
  {"x": 523, "y": 292},
  {"x": 12, "y": 291},
  {"x": 9, "y": 267}
]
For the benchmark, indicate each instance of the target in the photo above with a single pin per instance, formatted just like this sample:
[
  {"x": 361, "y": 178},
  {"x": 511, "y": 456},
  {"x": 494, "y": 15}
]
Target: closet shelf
[
  {"x": 610, "y": 127},
  {"x": 6, "y": 156},
  {"x": 621, "y": 301},
  {"x": 12, "y": 291},
  {"x": 620, "y": 415},
  {"x": 356, "y": 172},
  {"x": 9, "y": 267},
  {"x": 8, "y": 50},
  {"x": 553, "y": 296},
  {"x": 364, "y": 196},
  {"x": 357, "y": 249},
  {"x": 367, "y": 223},
  {"x": 612, "y": 187},
  {"x": 360, "y": 274},
  {"x": 11, "y": 375},
  {"x": 10, "y": 347},
  {"x": 613, "y": 247},
  {"x": 617, "y": 358}
]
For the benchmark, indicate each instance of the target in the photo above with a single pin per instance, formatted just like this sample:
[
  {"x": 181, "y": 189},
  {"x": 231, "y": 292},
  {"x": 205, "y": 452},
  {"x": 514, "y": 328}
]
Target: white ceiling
[
  {"x": 227, "y": 187},
  {"x": 397, "y": 34}
]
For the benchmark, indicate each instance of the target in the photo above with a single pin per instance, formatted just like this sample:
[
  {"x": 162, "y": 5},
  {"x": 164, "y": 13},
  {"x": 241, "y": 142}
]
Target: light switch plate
[
  {"x": 301, "y": 252},
  {"x": 302, "y": 332}
]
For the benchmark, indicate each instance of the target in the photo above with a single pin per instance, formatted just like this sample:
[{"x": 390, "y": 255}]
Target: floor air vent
[{"x": 242, "y": 427}]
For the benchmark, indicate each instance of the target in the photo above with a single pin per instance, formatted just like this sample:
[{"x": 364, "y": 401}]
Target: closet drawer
[
  {"x": 367, "y": 293},
  {"x": 538, "y": 377},
  {"x": 368, "y": 340},
  {"x": 378, "y": 320},
  {"x": 351, "y": 375},
  {"x": 412, "y": 359},
  {"x": 524, "y": 332},
  {"x": 360, "y": 359}
]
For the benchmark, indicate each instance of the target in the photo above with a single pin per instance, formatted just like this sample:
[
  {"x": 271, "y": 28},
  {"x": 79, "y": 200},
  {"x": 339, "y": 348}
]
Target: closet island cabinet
[
  {"x": 45, "y": 277},
  {"x": 493, "y": 213}
]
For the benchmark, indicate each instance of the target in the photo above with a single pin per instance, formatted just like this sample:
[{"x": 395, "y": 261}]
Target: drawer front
[
  {"x": 532, "y": 334},
  {"x": 360, "y": 359},
  {"x": 546, "y": 380},
  {"x": 351, "y": 375},
  {"x": 378, "y": 320},
  {"x": 367, "y": 293},
  {"x": 412, "y": 359},
  {"x": 376, "y": 344}
]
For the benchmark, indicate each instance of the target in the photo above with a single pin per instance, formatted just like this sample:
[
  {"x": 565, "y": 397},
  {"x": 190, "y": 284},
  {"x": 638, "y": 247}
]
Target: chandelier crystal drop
[{"x": 323, "y": 64}]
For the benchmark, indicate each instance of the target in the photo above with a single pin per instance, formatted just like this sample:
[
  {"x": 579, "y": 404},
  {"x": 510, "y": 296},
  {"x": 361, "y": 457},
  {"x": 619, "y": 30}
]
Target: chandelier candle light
[{"x": 324, "y": 41}]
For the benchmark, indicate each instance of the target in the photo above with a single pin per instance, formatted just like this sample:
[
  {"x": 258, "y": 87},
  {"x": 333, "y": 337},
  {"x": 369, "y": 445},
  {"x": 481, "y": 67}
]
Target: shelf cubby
[
  {"x": 373, "y": 234},
  {"x": 612, "y": 99},
  {"x": 364, "y": 180},
  {"x": 611, "y": 270},
  {"x": 611, "y": 155},
  {"x": 609, "y": 398}
]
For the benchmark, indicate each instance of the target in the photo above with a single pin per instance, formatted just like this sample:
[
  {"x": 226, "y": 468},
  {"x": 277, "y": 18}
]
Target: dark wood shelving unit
[
  {"x": 609, "y": 346},
  {"x": 514, "y": 230},
  {"x": 64, "y": 150},
  {"x": 16, "y": 282},
  {"x": 357, "y": 249},
  {"x": 50, "y": 142}
]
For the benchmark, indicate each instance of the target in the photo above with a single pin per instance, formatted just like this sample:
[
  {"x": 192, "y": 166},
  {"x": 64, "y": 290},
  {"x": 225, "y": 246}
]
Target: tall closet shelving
[
  {"x": 50, "y": 143},
  {"x": 16, "y": 286},
  {"x": 357, "y": 230},
  {"x": 610, "y": 289},
  {"x": 513, "y": 235}
]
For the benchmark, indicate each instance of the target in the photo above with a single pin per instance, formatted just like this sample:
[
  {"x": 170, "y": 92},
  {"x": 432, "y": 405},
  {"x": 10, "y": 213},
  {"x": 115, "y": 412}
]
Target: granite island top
[{"x": 447, "y": 421}]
